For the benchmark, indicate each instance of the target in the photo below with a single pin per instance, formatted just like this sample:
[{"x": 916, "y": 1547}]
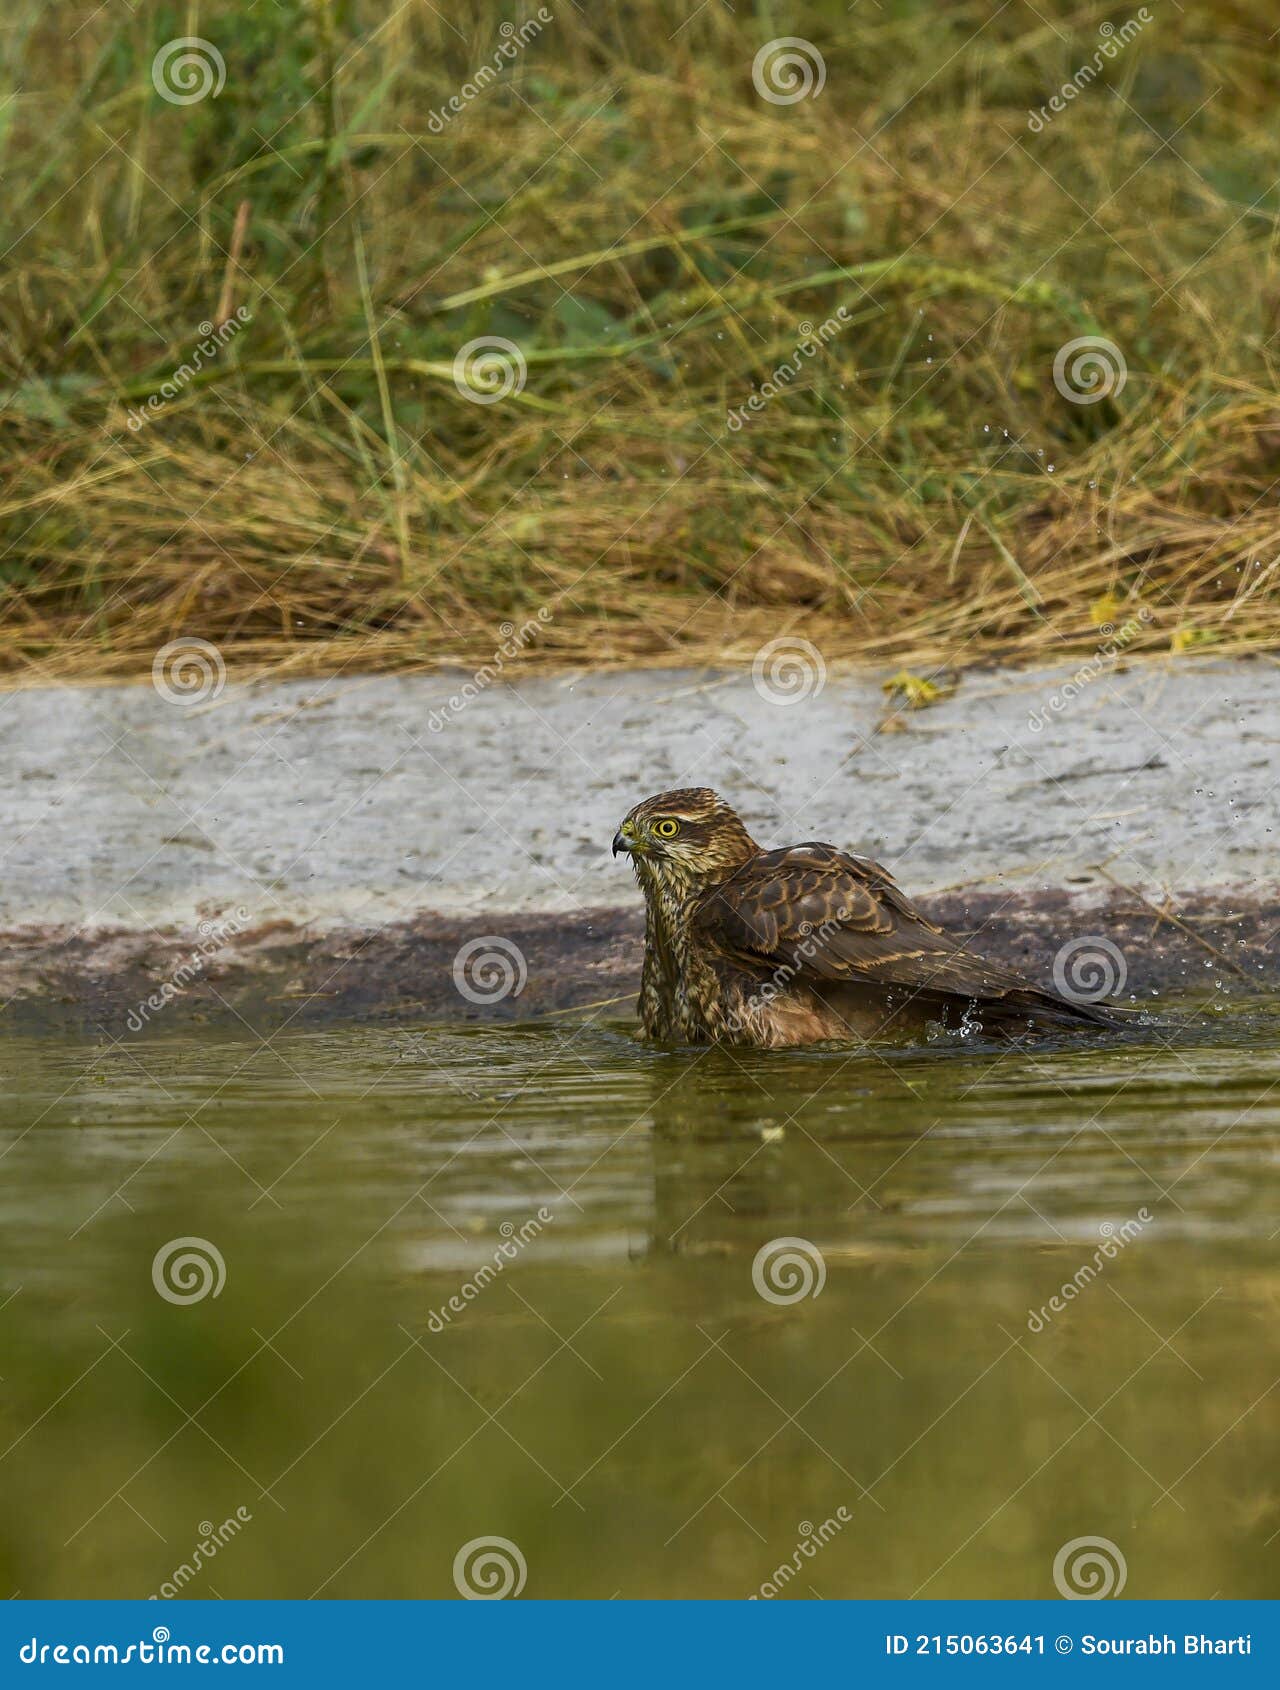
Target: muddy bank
[
  {"x": 309, "y": 852},
  {"x": 124, "y": 984}
]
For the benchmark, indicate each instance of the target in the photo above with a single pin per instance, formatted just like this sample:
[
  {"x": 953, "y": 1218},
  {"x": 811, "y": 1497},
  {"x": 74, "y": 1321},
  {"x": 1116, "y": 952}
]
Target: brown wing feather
[{"x": 827, "y": 916}]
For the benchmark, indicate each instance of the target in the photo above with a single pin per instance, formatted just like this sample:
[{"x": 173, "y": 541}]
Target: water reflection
[{"x": 611, "y": 1388}]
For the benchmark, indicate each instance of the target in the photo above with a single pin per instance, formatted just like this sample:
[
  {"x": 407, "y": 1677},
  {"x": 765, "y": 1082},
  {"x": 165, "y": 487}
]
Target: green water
[{"x": 618, "y": 1399}]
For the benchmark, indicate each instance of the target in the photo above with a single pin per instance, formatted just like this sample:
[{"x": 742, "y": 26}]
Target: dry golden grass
[{"x": 622, "y": 205}]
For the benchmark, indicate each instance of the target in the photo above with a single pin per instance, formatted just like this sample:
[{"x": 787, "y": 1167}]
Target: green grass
[{"x": 622, "y": 205}]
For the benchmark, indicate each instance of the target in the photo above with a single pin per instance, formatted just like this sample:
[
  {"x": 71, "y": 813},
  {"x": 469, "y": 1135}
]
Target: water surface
[{"x": 636, "y": 1383}]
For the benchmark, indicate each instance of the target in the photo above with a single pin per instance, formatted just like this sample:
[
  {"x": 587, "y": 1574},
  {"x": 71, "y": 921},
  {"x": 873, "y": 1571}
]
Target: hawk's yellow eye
[{"x": 667, "y": 828}]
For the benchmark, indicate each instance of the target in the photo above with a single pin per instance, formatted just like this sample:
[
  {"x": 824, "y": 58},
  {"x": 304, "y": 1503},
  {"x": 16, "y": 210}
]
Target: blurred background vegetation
[{"x": 621, "y": 204}]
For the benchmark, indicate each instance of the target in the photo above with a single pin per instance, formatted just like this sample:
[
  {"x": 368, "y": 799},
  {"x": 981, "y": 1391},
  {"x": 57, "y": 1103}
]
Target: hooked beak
[{"x": 621, "y": 842}]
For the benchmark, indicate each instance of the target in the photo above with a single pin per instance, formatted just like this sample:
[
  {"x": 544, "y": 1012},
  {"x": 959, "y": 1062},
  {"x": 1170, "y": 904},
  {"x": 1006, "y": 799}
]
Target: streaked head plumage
[{"x": 688, "y": 834}]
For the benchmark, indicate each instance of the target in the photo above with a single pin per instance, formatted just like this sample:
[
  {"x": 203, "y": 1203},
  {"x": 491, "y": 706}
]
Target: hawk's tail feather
[{"x": 1031, "y": 1008}]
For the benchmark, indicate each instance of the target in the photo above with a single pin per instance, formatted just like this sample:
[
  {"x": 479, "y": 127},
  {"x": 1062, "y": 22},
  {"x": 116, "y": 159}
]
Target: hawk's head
[{"x": 688, "y": 837}]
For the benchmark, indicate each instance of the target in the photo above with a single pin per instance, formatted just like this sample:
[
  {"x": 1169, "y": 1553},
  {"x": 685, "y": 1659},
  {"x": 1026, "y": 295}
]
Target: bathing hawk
[{"x": 803, "y": 944}]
